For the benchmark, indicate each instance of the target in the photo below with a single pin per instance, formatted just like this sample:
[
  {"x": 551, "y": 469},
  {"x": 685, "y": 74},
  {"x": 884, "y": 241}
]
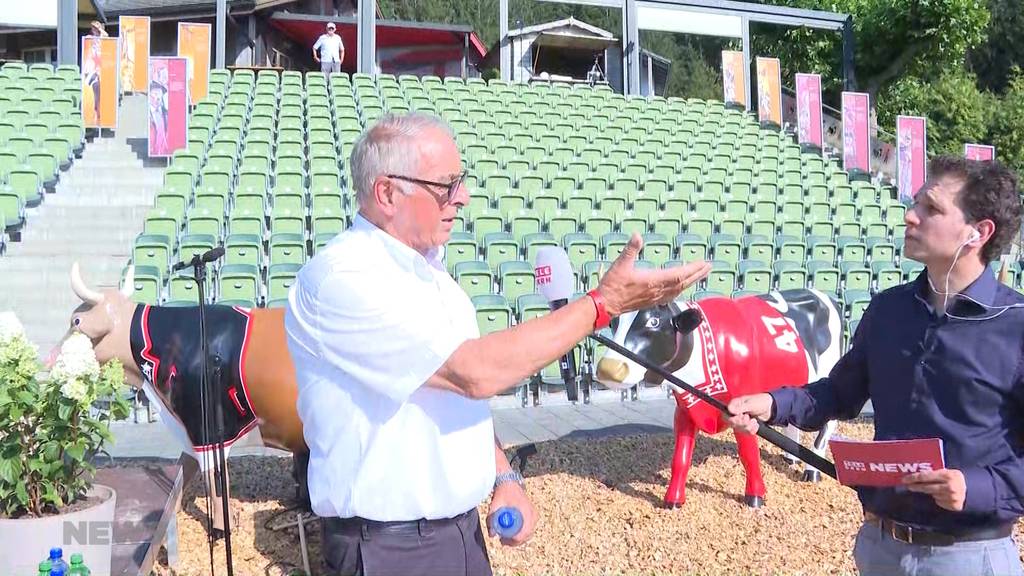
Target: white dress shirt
[
  {"x": 330, "y": 47},
  {"x": 368, "y": 320}
]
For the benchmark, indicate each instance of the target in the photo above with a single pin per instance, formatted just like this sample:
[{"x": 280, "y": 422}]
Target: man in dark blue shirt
[{"x": 939, "y": 357}]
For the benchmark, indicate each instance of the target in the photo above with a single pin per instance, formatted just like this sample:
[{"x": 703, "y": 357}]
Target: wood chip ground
[{"x": 601, "y": 514}]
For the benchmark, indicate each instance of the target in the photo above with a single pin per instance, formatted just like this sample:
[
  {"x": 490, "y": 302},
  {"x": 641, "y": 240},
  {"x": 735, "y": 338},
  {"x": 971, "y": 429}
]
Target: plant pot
[{"x": 26, "y": 542}]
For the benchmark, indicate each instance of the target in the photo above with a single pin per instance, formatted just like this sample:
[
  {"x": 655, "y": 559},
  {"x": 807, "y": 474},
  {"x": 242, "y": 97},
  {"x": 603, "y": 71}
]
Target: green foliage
[
  {"x": 1004, "y": 48},
  {"x": 893, "y": 38},
  {"x": 1007, "y": 130},
  {"x": 956, "y": 109},
  {"x": 49, "y": 430}
]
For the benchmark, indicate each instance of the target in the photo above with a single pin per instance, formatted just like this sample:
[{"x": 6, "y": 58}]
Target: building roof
[{"x": 549, "y": 28}]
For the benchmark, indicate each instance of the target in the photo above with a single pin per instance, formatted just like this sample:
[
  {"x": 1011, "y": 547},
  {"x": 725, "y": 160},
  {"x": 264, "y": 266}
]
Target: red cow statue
[{"x": 728, "y": 348}]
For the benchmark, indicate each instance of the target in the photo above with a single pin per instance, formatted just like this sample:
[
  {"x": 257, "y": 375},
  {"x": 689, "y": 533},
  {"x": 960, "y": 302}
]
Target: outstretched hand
[{"x": 626, "y": 288}]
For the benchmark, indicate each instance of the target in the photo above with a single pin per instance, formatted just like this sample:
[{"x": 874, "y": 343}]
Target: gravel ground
[{"x": 599, "y": 504}]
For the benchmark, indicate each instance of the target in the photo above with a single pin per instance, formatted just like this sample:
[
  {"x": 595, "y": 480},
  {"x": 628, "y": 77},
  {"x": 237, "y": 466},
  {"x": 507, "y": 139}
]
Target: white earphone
[{"x": 975, "y": 235}]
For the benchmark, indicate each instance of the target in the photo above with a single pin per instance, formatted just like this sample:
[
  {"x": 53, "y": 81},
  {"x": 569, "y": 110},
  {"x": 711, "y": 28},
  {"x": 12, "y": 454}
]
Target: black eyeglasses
[{"x": 451, "y": 187}]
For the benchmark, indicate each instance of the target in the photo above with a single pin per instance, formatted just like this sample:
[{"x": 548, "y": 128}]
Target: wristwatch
[{"x": 510, "y": 476}]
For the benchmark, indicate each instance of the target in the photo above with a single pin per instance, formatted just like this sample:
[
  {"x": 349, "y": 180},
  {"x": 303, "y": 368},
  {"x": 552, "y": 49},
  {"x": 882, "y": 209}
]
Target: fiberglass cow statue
[
  {"x": 728, "y": 348},
  {"x": 254, "y": 383}
]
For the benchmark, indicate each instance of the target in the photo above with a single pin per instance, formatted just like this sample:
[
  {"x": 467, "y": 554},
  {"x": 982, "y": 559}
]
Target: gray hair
[{"x": 388, "y": 147}]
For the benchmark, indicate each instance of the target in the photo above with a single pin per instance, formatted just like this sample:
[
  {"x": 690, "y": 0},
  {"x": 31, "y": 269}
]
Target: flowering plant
[{"x": 49, "y": 427}]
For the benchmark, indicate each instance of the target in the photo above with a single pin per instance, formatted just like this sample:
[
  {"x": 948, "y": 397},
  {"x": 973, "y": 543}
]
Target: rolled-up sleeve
[{"x": 376, "y": 338}]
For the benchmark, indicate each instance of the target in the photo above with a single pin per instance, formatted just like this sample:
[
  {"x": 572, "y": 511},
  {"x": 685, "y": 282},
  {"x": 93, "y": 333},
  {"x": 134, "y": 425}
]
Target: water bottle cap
[
  {"x": 76, "y": 558},
  {"x": 56, "y": 552},
  {"x": 45, "y": 565},
  {"x": 506, "y": 519}
]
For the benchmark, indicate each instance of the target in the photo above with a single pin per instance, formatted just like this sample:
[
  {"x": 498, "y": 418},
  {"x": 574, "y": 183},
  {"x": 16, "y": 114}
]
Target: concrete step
[
  {"x": 92, "y": 265},
  {"x": 103, "y": 199}
]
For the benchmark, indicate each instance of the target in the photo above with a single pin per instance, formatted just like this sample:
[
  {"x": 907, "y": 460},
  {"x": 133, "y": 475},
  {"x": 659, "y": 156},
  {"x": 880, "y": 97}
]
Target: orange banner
[
  {"x": 769, "y": 91},
  {"x": 134, "y": 33},
  {"x": 733, "y": 80},
  {"x": 194, "y": 44},
  {"x": 99, "y": 82}
]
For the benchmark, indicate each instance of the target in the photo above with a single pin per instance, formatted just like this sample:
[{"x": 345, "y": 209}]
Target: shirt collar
[
  {"x": 402, "y": 253},
  {"x": 983, "y": 290}
]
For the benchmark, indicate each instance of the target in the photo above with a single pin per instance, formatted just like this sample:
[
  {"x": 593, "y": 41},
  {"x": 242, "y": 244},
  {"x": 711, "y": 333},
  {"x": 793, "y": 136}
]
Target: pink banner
[
  {"x": 808, "y": 110},
  {"x": 856, "y": 131},
  {"x": 911, "y": 154},
  {"x": 168, "y": 105},
  {"x": 979, "y": 152}
]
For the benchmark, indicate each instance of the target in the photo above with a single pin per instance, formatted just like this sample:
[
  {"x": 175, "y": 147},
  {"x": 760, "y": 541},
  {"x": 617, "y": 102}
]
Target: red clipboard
[{"x": 886, "y": 462}]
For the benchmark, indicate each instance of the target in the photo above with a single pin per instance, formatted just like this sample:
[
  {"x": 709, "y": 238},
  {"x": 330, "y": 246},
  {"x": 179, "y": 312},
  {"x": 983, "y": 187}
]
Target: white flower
[
  {"x": 10, "y": 327},
  {"x": 77, "y": 360},
  {"x": 76, "y": 390}
]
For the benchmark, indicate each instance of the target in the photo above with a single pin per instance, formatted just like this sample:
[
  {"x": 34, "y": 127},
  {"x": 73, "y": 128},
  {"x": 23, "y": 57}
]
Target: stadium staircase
[{"x": 95, "y": 211}]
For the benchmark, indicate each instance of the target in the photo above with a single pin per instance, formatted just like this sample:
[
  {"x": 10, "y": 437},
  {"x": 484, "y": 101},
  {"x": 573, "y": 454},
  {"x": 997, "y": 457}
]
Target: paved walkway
[{"x": 514, "y": 426}]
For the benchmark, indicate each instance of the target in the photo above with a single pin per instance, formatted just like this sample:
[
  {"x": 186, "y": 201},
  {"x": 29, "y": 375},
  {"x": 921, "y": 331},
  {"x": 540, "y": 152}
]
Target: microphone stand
[
  {"x": 763, "y": 430},
  {"x": 198, "y": 263}
]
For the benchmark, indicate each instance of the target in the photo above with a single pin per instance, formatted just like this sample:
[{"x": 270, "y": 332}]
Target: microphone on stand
[
  {"x": 554, "y": 278},
  {"x": 210, "y": 256}
]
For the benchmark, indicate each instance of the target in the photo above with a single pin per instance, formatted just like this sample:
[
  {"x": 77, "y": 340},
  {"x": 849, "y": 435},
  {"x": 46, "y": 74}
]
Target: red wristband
[{"x": 603, "y": 319}]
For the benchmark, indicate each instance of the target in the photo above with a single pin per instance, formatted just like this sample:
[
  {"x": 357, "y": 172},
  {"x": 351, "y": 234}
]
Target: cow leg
[
  {"x": 216, "y": 500},
  {"x": 300, "y": 465},
  {"x": 750, "y": 457},
  {"x": 686, "y": 432},
  {"x": 812, "y": 474},
  {"x": 793, "y": 433}
]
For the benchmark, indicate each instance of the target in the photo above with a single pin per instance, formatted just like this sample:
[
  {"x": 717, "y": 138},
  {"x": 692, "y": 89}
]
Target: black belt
[
  {"x": 922, "y": 536},
  {"x": 369, "y": 528}
]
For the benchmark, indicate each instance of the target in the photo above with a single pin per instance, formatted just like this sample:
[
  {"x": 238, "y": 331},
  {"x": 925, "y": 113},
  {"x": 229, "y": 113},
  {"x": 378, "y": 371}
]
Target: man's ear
[
  {"x": 384, "y": 193},
  {"x": 986, "y": 229}
]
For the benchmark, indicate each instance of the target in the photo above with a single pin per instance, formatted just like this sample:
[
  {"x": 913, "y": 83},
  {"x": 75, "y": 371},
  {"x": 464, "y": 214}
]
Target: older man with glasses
[{"x": 394, "y": 376}]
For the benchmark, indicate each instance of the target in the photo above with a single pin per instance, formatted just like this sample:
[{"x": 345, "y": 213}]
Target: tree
[
  {"x": 893, "y": 38},
  {"x": 1003, "y": 49},
  {"x": 1008, "y": 119},
  {"x": 957, "y": 111}
]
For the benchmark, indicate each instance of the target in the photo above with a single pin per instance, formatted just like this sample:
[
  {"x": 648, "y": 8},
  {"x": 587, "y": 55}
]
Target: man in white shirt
[
  {"x": 331, "y": 51},
  {"x": 393, "y": 376}
]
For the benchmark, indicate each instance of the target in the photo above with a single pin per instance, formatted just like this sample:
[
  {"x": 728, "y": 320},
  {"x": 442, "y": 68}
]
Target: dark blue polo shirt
[{"x": 927, "y": 376}]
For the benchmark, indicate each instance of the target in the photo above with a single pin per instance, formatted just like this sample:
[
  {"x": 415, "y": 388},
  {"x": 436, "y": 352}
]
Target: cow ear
[{"x": 687, "y": 320}]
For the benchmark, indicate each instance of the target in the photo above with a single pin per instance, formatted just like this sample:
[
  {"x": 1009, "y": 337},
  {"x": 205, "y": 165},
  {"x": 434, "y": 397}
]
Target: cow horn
[
  {"x": 128, "y": 287},
  {"x": 87, "y": 294}
]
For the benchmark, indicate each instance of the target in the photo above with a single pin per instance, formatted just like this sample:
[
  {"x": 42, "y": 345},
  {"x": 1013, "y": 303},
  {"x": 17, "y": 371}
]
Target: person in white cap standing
[{"x": 331, "y": 51}]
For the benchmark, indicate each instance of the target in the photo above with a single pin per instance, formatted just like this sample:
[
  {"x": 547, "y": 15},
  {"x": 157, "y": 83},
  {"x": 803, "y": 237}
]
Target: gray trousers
[
  {"x": 452, "y": 547},
  {"x": 329, "y": 67},
  {"x": 878, "y": 554}
]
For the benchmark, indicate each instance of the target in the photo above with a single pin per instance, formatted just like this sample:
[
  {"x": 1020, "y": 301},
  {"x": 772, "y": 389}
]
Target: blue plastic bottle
[
  {"x": 507, "y": 522},
  {"x": 57, "y": 571},
  {"x": 57, "y": 560}
]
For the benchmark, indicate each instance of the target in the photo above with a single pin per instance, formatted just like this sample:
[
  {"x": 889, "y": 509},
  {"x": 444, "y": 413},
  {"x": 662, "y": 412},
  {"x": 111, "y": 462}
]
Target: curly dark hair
[{"x": 989, "y": 192}]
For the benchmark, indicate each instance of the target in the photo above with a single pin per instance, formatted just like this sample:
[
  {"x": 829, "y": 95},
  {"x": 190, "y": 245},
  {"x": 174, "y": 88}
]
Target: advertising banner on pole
[
  {"x": 100, "y": 81},
  {"x": 733, "y": 78},
  {"x": 194, "y": 43},
  {"x": 168, "y": 105},
  {"x": 769, "y": 91},
  {"x": 911, "y": 154},
  {"x": 979, "y": 152},
  {"x": 134, "y": 34},
  {"x": 856, "y": 131},
  {"x": 810, "y": 126}
]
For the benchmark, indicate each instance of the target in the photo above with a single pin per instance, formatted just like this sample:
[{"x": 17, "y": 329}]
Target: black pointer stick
[{"x": 763, "y": 430}]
